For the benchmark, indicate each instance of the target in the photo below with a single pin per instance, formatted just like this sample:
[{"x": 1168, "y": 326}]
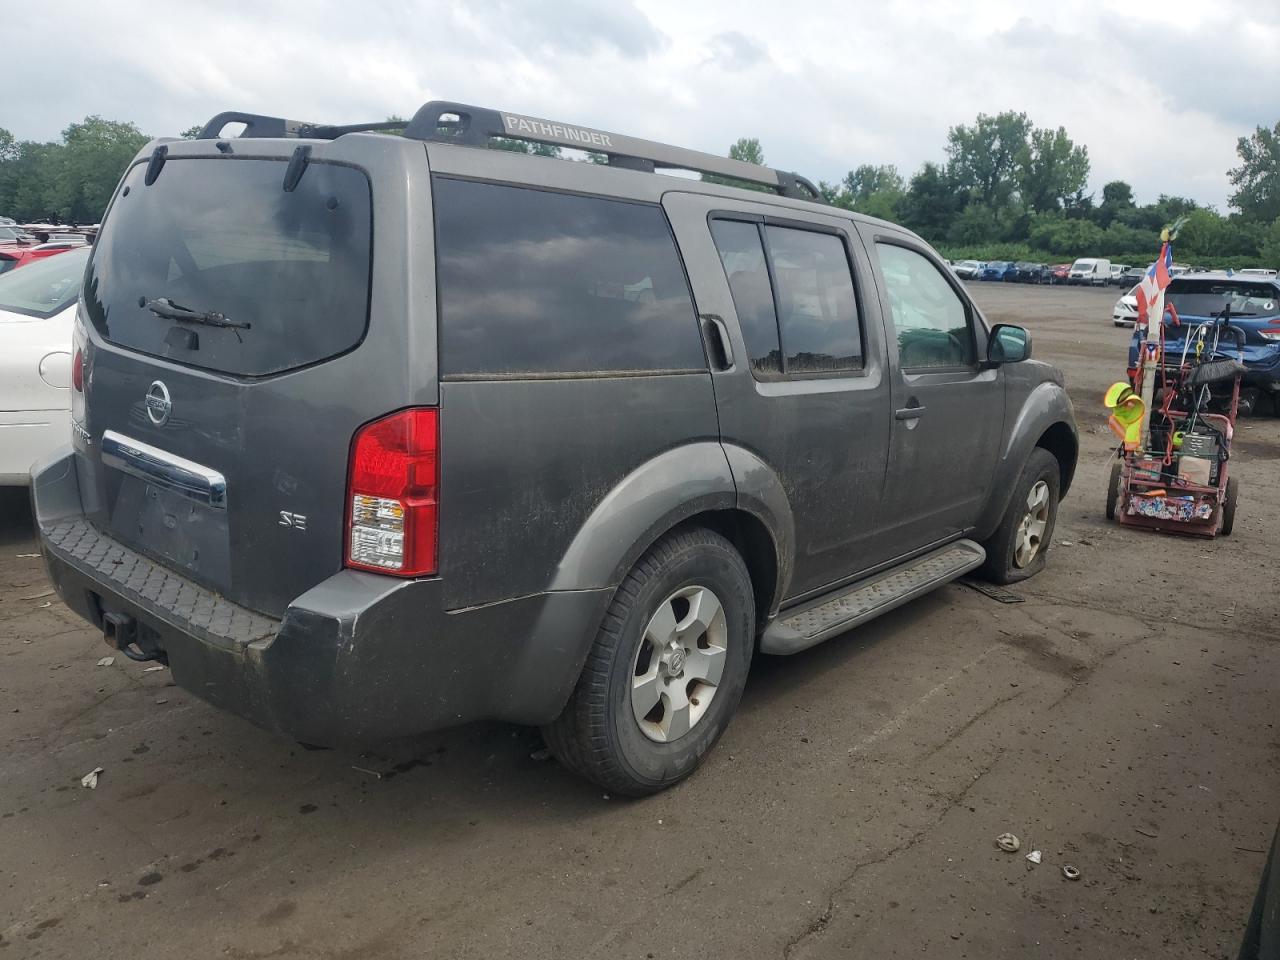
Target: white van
[{"x": 1088, "y": 270}]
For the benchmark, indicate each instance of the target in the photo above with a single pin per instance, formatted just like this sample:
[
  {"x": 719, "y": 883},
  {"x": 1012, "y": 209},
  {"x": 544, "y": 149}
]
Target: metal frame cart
[{"x": 1176, "y": 479}]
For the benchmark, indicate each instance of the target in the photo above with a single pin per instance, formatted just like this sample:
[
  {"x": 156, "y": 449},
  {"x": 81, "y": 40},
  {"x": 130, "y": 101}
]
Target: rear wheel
[
  {"x": 1017, "y": 549},
  {"x": 666, "y": 671},
  {"x": 1113, "y": 490},
  {"x": 1229, "y": 506}
]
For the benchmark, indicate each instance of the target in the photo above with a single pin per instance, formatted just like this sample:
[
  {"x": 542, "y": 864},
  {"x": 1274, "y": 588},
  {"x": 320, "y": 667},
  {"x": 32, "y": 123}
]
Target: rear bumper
[
  {"x": 27, "y": 436},
  {"x": 357, "y": 659}
]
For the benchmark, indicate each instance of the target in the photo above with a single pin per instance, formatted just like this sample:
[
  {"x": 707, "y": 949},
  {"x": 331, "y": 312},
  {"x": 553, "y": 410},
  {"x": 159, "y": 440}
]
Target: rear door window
[
  {"x": 222, "y": 238},
  {"x": 535, "y": 283},
  {"x": 817, "y": 309},
  {"x": 794, "y": 296}
]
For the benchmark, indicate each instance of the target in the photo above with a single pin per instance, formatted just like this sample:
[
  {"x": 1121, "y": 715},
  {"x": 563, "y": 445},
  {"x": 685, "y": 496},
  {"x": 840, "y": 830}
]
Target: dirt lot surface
[{"x": 1122, "y": 720}]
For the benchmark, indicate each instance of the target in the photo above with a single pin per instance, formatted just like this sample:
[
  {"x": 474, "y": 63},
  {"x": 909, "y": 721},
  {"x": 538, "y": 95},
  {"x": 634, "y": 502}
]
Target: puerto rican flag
[{"x": 1153, "y": 284}]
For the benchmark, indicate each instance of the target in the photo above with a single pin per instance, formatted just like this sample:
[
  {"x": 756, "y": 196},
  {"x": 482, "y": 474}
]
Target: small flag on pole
[{"x": 1152, "y": 285}]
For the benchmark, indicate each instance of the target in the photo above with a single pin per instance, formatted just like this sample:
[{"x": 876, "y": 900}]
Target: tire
[
  {"x": 1229, "y": 506},
  {"x": 1248, "y": 402},
  {"x": 1007, "y": 559},
  {"x": 600, "y": 734},
  {"x": 1113, "y": 490}
]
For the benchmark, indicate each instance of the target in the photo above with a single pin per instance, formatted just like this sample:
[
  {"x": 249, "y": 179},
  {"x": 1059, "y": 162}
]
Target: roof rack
[{"x": 441, "y": 121}]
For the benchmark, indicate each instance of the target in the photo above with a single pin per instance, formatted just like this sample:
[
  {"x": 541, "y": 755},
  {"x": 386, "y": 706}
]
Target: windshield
[
  {"x": 1083, "y": 265},
  {"x": 1200, "y": 298},
  {"x": 290, "y": 269},
  {"x": 44, "y": 287}
]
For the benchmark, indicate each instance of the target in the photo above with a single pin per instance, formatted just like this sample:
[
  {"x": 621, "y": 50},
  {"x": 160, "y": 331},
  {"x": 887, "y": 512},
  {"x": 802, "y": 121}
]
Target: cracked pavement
[{"x": 1122, "y": 720}]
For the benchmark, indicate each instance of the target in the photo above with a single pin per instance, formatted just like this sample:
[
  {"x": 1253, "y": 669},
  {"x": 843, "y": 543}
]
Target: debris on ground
[
  {"x": 373, "y": 773},
  {"x": 158, "y": 666},
  {"x": 1008, "y": 843},
  {"x": 1034, "y": 856},
  {"x": 540, "y": 755},
  {"x": 90, "y": 779},
  {"x": 990, "y": 590},
  {"x": 106, "y": 661},
  {"x": 38, "y": 596},
  {"x": 1070, "y": 872}
]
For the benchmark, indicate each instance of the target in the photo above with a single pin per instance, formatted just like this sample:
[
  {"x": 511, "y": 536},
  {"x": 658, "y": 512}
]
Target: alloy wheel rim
[
  {"x": 1030, "y": 535},
  {"x": 678, "y": 664}
]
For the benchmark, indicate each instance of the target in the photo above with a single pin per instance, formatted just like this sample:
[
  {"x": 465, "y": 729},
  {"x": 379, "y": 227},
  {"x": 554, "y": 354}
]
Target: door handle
[
  {"x": 908, "y": 413},
  {"x": 718, "y": 334}
]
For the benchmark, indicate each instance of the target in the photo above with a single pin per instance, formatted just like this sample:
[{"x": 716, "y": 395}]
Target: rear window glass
[
  {"x": 533, "y": 282},
  {"x": 221, "y": 239},
  {"x": 43, "y": 287},
  {"x": 1205, "y": 298}
]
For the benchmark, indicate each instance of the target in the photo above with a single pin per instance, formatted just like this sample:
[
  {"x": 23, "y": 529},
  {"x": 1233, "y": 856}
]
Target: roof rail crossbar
[
  {"x": 444, "y": 122},
  {"x": 257, "y": 126}
]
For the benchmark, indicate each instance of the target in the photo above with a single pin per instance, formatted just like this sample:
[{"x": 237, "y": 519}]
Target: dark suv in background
[{"x": 380, "y": 434}]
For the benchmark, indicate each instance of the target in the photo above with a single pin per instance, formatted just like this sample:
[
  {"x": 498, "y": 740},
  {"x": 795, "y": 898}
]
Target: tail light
[
  {"x": 1270, "y": 333},
  {"x": 392, "y": 508},
  {"x": 77, "y": 371}
]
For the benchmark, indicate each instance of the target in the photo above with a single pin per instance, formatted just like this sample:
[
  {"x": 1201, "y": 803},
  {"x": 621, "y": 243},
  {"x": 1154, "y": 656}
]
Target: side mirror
[{"x": 1008, "y": 344}]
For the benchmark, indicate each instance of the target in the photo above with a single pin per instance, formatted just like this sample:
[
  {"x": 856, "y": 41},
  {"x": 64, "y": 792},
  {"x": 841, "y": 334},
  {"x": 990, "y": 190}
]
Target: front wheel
[
  {"x": 666, "y": 671},
  {"x": 1017, "y": 549}
]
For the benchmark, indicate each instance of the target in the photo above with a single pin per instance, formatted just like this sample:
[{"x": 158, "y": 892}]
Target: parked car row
[{"x": 1086, "y": 271}]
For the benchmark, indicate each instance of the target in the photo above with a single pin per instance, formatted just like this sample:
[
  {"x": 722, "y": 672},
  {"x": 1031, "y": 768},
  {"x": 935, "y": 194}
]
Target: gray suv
[{"x": 378, "y": 434}]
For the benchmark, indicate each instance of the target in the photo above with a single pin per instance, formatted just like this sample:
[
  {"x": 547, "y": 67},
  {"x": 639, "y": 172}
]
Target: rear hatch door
[{"x": 231, "y": 354}]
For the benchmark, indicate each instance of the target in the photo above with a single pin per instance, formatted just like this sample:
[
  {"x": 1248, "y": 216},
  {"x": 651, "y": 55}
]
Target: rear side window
[
  {"x": 533, "y": 282},
  {"x": 223, "y": 238},
  {"x": 794, "y": 296}
]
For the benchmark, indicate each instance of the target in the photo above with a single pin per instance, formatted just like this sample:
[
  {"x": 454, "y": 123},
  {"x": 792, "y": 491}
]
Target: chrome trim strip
[{"x": 184, "y": 477}]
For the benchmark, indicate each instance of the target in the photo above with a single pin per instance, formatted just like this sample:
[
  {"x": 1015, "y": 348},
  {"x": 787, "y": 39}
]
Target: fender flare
[
  {"x": 1046, "y": 406},
  {"x": 662, "y": 493}
]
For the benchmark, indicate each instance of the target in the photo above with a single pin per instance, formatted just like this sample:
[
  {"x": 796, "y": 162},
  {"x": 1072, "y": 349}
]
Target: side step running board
[{"x": 797, "y": 630}]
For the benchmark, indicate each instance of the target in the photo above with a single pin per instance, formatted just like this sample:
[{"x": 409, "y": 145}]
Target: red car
[
  {"x": 1058, "y": 272},
  {"x": 14, "y": 255}
]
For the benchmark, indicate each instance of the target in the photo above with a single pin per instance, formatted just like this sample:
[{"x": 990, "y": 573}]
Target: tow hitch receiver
[{"x": 120, "y": 631}]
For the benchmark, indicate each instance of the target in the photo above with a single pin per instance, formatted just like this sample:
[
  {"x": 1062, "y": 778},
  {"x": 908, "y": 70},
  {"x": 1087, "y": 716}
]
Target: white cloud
[{"x": 1159, "y": 96}]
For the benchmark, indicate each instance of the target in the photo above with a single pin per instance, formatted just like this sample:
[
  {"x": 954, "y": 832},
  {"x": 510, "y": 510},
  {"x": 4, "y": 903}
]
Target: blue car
[
  {"x": 1201, "y": 299},
  {"x": 998, "y": 270}
]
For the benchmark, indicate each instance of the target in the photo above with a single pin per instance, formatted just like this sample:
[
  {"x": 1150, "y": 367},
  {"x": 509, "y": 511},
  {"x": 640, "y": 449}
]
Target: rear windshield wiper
[{"x": 164, "y": 307}]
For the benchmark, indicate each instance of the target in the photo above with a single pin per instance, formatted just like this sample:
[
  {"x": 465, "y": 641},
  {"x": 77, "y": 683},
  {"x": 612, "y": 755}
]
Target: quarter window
[
  {"x": 930, "y": 319},
  {"x": 536, "y": 282}
]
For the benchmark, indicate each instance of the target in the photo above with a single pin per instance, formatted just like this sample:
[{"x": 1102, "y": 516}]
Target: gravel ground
[{"x": 1122, "y": 720}]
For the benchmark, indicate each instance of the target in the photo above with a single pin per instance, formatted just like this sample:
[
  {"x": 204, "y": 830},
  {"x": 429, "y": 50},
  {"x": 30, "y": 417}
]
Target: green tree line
[
  {"x": 1005, "y": 190},
  {"x": 1008, "y": 190}
]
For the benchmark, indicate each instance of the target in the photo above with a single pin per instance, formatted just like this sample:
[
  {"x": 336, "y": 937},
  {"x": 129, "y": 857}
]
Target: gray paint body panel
[{"x": 550, "y": 487}]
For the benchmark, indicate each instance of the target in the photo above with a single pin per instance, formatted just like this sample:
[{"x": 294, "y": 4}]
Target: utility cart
[{"x": 1177, "y": 477}]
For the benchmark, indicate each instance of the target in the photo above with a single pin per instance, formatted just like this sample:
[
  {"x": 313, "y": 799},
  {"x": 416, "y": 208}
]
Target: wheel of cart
[{"x": 1113, "y": 486}]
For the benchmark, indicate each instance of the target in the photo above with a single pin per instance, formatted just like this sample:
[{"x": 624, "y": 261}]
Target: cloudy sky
[{"x": 1158, "y": 92}]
